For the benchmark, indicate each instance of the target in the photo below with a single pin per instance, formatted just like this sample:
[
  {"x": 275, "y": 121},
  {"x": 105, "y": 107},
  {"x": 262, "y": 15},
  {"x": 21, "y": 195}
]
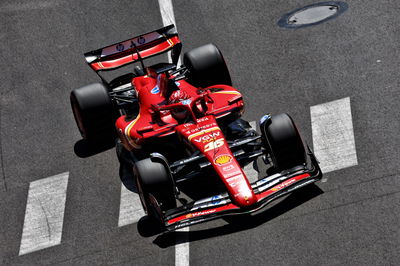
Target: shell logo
[
  {"x": 189, "y": 215},
  {"x": 223, "y": 159}
]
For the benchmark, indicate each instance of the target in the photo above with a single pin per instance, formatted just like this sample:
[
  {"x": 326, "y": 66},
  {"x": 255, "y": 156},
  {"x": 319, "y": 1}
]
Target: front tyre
[
  {"x": 283, "y": 141},
  {"x": 155, "y": 186}
]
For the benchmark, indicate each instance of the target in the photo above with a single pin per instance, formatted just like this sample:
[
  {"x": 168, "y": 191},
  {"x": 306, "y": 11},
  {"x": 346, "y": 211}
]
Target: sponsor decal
[
  {"x": 177, "y": 83},
  {"x": 264, "y": 118},
  {"x": 207, "y": 203},
  {"x": 195, "y": 214},
  {"x": 227, "y": 168},
  {"x": 203, "y": 119},
  {"x": 265, "y": 180},
  {"x": 202, "y": 132},
  {"x": 216, "y": 200},
  {"x": 182, "y": 225},
  {"x": 155, "y": 90},
  {"x": 141, "y": 40},
  {"x": 193, "y": 131},
  {"x": 120, "y": 47},
  {"x": 208, "y": 137},
  {"x": 235, "y": 175},
  {"x": 243, "y": 192},
  {"x": 223, "y": 159},
  {"x": 186, "y": 102},
  {"x": 202, "y": 128},
  {"x": 283, "y": 185}
]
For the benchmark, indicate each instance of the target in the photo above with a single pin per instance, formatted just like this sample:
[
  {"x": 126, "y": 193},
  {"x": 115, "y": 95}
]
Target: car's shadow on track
[
  {"x": 241, "y": 222},
  {"x": 85, "y": 149}
]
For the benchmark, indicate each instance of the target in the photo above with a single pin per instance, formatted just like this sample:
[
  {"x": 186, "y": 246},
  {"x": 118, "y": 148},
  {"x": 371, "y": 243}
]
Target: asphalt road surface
[{"x": 351, "y": 219}]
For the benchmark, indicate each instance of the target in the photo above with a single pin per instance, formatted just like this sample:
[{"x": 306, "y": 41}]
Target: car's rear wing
[{"x": 136, "y": 49}]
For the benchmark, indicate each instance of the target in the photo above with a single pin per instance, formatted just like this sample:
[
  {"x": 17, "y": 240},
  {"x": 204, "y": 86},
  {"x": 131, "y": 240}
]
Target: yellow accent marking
[
  {"x": 202, "y": 132},
  {"x": 128, "y": 133},
  {"x": 170, "y": 42}
]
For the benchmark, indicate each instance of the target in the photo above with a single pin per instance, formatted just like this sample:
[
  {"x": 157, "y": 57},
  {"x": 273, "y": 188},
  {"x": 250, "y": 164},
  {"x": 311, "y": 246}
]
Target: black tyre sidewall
[
  {"x": 207, "y": 66},
  {"x": 94, "y": 112},
  {"x": 284, "y": 142},
  {"x": 154, "y": 178}
]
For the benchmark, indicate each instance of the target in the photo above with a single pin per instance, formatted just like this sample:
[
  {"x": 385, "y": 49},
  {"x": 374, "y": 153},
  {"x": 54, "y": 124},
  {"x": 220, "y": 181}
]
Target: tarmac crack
[
  {"x": 2, "y": 157},
  {"x": 47, "y": 220},
  {"x": 363, "y": 182}
]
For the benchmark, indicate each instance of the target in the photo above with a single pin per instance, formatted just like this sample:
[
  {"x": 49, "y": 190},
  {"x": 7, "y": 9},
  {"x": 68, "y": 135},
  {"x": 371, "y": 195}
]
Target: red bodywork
[
  {"x": 234, "y": 207},
  {"x": 203, "y": 133},
  {"x": 134, "y": 49},
  {"x": 206, "y": 107}
]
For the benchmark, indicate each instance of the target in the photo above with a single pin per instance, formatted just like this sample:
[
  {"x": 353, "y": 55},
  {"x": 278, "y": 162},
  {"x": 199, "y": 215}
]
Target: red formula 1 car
[{"x": 175, "y": 125}]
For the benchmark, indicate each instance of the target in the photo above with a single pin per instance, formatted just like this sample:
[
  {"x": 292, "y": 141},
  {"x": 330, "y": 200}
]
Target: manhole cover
[{"x": 313, "y": 14}]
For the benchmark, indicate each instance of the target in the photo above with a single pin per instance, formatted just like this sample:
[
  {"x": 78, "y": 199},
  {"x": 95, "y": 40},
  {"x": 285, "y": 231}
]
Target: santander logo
[
  {"x": 195, "y": 214},
  {"x": 283, "y": 185}
]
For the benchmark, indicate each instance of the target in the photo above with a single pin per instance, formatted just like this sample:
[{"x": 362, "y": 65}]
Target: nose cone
[{"x": 245, "y": 198}]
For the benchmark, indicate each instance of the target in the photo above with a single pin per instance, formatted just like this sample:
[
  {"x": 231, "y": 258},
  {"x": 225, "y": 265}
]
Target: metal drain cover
[{"x": 313, "y": 14}]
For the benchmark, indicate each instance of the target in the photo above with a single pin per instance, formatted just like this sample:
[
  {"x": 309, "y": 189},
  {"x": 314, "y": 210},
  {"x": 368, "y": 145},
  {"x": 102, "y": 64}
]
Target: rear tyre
[
  {"x": 94, "y": 112},
  {"x": 282, "y": 139},
  {"x": 154, "y": 182},
  {"x": 206, "y": 66}
]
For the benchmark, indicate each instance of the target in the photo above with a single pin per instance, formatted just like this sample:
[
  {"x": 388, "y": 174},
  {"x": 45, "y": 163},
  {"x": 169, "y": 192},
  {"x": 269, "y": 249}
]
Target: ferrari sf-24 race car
[{"x": 174, "y": 124}]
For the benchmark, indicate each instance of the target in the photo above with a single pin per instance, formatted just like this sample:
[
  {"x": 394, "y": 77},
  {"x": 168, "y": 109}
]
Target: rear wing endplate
[{"x": 136, "y": 49}]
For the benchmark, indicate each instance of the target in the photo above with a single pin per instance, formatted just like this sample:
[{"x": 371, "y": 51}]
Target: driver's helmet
[{"x": 176, "y": 97}]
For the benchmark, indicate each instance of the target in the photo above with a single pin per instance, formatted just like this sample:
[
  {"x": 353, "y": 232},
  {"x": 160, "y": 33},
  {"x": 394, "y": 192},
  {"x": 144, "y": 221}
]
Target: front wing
[{"x": 266, "y": 190}]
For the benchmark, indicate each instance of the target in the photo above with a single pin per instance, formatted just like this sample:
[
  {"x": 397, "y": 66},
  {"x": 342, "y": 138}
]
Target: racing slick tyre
[
  {"x": 281, "y": 137},
  {"x": 206, "y": 66},
  {"x": 154, "y": 182},
  {"x": 94, "y": 112}
]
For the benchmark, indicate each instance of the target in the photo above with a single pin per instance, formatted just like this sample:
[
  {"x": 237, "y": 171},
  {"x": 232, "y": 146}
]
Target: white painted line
[
  {"x": 253, "y": 125},
  {"x": 251, "y": 173},
  {"x": 182, "y": 249},
  {"x": 168, "y": 18},
  {"x": 167, "y": 12},
  {"x": 44, "y": 214},
  {"x": 130, "y": 209},
  {"x": 333, "y": 135}
]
